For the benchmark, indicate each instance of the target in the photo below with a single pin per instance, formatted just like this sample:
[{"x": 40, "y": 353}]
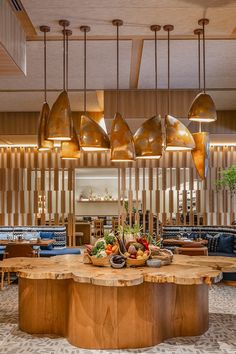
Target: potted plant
[{"x": 228, "y": 180}]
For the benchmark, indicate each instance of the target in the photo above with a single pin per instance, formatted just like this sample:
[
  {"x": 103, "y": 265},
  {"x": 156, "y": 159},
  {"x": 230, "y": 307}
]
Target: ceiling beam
[
  {"x": 136, "y": 57},
  {"x": 162, "y": 37}
]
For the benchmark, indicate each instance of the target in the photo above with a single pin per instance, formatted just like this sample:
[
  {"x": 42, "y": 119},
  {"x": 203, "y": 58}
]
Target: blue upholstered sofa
[
  {"x": 57, "y": 233},
  {"x": 221, "y": 240}
]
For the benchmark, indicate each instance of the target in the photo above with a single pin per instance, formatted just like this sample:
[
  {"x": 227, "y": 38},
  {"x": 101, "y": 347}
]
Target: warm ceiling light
[
  {"x": 203, "y": 108},
  {"x": 43, "y": 143},
  {"x": 70, "y": 150},
  {"x": 60, "y": 123},
  {"x": 201, "y": 153},
  {"x": 178, "y": 137},
  {"x": 92, "y": 136},
  {"x": 148, "y": 138},
  {"x": 122, "y": 142}
]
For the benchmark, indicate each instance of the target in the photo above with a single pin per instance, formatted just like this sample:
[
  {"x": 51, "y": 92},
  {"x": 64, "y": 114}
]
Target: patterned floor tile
[{"x": 219, "y": 339}]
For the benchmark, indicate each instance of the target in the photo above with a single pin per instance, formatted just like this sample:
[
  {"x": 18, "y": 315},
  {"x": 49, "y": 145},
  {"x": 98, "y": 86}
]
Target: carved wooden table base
[{"x": 105, "y": 308}]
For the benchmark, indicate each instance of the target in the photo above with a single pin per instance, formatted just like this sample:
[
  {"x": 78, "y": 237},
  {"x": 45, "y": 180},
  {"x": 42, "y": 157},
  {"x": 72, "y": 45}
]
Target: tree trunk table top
[{"x": 184, "y": 270}]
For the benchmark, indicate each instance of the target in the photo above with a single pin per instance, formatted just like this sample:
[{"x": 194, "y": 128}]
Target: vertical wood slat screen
[
  {"x": 39, "y": 187},
  {"x": 34, "y": 190}
]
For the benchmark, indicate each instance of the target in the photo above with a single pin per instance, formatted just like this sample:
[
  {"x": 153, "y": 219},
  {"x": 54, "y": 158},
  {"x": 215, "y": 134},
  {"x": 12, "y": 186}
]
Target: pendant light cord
[
  {"x": 156, "y": 70},
  {"x": 45, "y": 67},
  {"x": 85, "y": 72},
  {"x": 199, "y": 61},
  {"x": 204, "y": 57},
  {"x": 168, "y": 77},
  {"x": 67, "y": 64},
  {"x": 199, "y": 69},
  {"x": 64, "y": 58},
  {"x": 117, "y": 68}
]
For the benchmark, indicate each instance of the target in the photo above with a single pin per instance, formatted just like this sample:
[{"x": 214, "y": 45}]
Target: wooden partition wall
[{"x": 38, "y": 188}]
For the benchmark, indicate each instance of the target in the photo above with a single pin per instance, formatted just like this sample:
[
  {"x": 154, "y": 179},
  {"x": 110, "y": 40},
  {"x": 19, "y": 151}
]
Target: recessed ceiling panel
[
  {"x": 220, "y": 64},
  {"x": 138, "y": 15},
  {"x": 101, "y": 66}
]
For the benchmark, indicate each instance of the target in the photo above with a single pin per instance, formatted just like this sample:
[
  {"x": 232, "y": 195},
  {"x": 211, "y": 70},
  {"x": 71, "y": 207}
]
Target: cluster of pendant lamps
[{"x": 150, "y": 140}]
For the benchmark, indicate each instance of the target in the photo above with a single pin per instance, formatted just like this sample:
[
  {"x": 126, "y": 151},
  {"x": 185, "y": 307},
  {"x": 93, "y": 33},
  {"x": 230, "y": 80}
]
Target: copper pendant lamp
[
  {"x": 92, "y": 136},
  {"x": 43, "y": 143},
  {"x": 60, "y": 123},
  {"x": 148, "y": 138},
  {"x": 201, "y": 152},
  {"x": 122, "y": 142},
  {"x": 70, "y": 150},
  {"x": 203, "y": 108},
  {"x": 178, "y": 137}
]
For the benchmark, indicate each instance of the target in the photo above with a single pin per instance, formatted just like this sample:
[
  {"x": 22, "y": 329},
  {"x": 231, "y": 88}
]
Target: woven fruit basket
[
  {"x": 100, "y": 261},
  {"x": 132, "y": 262},
  {"x": 165, "y": 256},
  {"x": 99, "y": 255}
]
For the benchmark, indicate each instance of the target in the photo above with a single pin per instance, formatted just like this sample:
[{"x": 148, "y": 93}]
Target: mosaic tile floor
[{"x": 220, "y": 338}]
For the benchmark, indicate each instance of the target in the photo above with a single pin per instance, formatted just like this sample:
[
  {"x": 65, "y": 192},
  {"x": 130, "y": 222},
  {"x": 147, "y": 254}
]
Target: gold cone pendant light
[
  {"x": 92, "y": 136},
  {"x": 43, "y": 143},
  {"x": 178, "y": 137},
  {"x": 70, "y": 150},
  {"x": 203, "y": 108},
  {"x": 121, "y": 138},
  {"x": 122, "y": 144},
  {"x": 148, "y": 139},
  {"x": 201, "y": 153},
  {"x": 60, "y": 123}
]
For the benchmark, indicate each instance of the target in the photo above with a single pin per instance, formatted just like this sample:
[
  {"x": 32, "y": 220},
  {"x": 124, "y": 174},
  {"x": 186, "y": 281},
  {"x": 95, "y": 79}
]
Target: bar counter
[{"x": 105, "y": 308}]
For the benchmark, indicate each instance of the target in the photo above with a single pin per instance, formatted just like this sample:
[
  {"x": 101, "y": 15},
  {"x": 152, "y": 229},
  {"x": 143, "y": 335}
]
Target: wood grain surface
[
  {"x": 105, "y": 308},
  {"x": 183, "y": 270}
]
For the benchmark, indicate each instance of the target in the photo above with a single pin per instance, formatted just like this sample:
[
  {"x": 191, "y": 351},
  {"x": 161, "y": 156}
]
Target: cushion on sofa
[
  {"x": 47, "y": 235},
  {"x": 213, "y": 242},
  {"x": 59, "y": 251},
  {"x": 5, "y": 235},
  {"x": 226, "y": 243}
]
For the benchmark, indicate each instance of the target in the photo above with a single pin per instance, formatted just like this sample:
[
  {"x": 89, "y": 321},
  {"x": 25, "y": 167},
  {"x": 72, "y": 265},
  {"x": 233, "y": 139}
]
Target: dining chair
[
  {"x": 16, "y": 250},
  {"x": 98, "y": 230}
]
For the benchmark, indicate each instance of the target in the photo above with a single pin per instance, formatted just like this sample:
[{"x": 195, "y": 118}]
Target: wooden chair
[
  {"x": 12, "y": 251},
  {"x": 98, "y": 230},
  {"x": 115, "y": 224},
  {"x": 79, "y": 236}
]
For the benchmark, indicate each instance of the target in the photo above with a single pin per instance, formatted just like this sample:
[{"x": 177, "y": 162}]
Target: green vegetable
[
  {"x": 100, "y": 245},
  {"x": 110, "y": 239}
]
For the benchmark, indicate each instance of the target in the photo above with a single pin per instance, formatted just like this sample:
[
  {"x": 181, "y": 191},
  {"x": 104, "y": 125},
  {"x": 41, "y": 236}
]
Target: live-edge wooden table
[{"x": 105, "y": 308}]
